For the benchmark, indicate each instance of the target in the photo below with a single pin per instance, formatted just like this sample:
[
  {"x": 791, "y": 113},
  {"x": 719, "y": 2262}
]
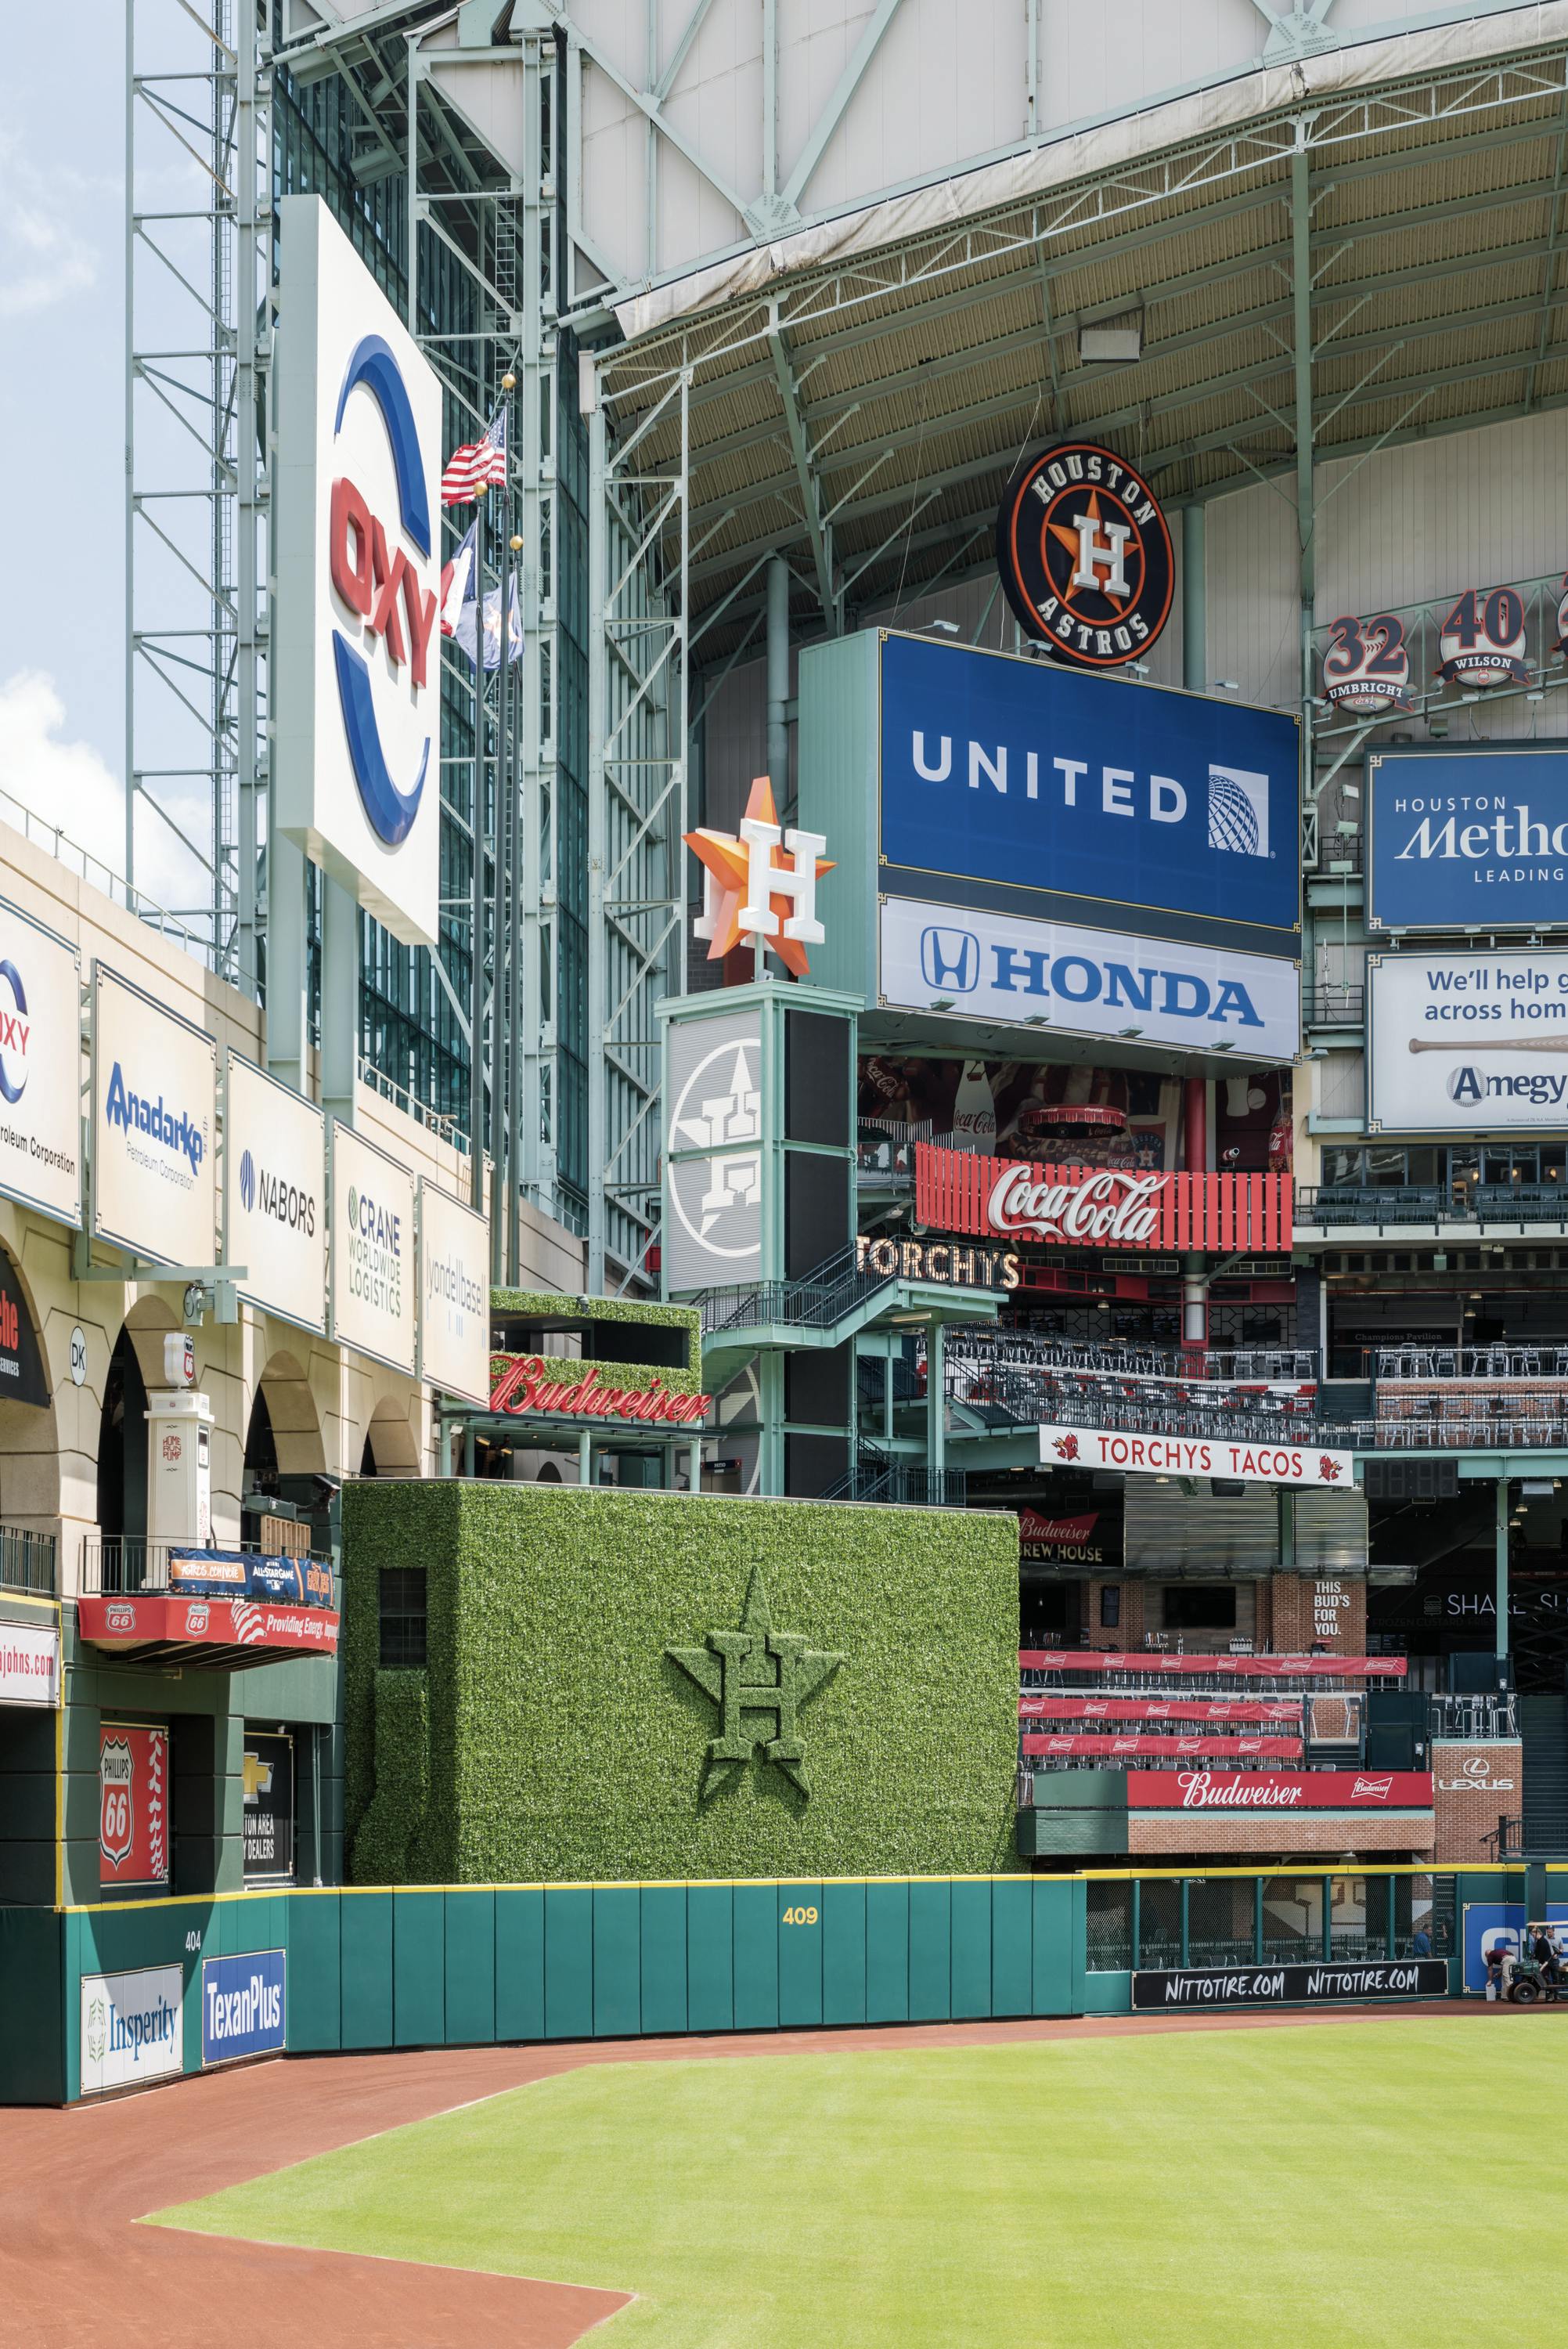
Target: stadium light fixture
[
  {"x": 1223, "y": 684},
  {"x": 948, "y": 627},
  {"x": 1119, "y": 343}
]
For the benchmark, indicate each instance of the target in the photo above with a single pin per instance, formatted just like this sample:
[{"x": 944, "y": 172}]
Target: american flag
[{"x": 477, "y": 464}]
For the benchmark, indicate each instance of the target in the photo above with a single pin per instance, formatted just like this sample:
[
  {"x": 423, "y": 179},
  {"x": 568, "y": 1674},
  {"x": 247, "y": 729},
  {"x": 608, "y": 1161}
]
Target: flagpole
[
  {"x": 502, "y": 838},
  {"x": 516, "y": 1107},
  {"x": 477, "y": 913}
]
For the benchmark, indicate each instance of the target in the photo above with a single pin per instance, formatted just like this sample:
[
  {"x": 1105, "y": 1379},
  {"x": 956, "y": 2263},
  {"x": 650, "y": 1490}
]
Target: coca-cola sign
[
  {"x": 1279, "y": 1790},
  {"x": 1099, "y": 1207},
  {"x": 1107, "y": 1209}
]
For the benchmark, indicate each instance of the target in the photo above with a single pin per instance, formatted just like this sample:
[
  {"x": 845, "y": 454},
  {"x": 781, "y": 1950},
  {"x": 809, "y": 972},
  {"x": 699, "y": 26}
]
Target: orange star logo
[{"x": 729, "y": 864}]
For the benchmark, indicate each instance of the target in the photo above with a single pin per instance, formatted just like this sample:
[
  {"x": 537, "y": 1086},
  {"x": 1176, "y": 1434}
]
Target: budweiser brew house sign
[{"x": 1099, "y": 1207}]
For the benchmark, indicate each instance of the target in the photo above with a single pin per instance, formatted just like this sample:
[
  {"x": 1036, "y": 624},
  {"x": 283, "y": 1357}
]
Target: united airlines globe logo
[
  {"x": 247, "y": 1181},
  {"x": 1084, "y": 555},
  {"x": 1238, "y": 811}
]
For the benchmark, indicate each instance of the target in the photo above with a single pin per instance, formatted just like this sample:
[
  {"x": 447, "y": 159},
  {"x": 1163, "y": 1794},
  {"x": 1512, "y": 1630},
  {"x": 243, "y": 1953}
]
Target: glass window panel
[
  {"x": 1110, "y": 1906},
  {"x": 1220, "y": 1920},
  {"x": 1292, "y": 1919},
  {"x": 1160, "y": 1922}
]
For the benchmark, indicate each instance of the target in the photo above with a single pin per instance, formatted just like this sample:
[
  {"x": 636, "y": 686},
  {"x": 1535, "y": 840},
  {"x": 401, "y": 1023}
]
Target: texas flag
[{"x": 458, "y": 581}]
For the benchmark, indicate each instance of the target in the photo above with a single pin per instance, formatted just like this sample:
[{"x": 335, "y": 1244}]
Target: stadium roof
[{"x": 856, "y": 397}]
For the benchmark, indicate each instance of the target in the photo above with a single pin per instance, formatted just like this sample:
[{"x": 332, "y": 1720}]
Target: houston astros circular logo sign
[{"x": 1085, "y": 554}]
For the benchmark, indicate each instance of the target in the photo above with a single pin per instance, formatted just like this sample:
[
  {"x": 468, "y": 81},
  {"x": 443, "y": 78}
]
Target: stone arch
[
  {"x": 391, "y": 1442},
  {"x": 135, "y": 1364},
  {"x": 30, "y": 1435},
  {"x": 283, "y": 1435}
]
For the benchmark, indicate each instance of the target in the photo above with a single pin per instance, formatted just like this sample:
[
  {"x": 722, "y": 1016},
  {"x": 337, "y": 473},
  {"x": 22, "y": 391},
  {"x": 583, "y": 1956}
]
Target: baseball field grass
[{"x": 1365, "y": 2181}]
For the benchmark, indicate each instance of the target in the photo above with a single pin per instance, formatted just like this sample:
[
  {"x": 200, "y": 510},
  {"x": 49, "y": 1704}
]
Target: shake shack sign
[
  {"x": 1321, "y": 1986},
  {"x": 1087, "y": 1543}
]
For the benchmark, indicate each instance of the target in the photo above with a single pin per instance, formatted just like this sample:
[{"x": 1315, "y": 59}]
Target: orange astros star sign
[{"x": 762, "y": 886}]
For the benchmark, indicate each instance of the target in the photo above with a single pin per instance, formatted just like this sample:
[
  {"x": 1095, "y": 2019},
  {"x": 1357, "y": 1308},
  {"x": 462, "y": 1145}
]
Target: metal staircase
[
  {"x": 1543, "y": 1733},
  {"x": 878, "y": 1475}
]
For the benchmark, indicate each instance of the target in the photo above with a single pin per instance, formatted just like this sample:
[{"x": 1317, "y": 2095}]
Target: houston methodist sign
[
  {"x": 1205, "y": 1455},
  {"x": 357, "y": 701},
  {"x": 1099, "y": 1207}
]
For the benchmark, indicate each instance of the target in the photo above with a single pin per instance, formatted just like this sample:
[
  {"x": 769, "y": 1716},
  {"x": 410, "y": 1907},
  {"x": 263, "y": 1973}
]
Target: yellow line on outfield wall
[{"x": 730, "y": 1883}]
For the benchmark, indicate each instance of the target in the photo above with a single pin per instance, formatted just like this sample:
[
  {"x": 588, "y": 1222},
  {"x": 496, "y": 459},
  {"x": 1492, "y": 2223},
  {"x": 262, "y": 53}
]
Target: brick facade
[
  {"x": 1253, "y": 1835},
  {"x": 1309, "y": 1610},
  {"x": 1472, "y": 1785}
]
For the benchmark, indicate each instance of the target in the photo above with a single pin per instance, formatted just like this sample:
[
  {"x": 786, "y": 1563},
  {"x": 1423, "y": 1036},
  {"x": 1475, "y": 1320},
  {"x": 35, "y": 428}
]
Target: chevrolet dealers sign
[{"x": 1204, "y": 1455}]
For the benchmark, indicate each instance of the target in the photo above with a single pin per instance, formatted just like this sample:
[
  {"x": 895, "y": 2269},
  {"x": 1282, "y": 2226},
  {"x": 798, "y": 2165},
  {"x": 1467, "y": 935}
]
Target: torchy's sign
[{"x": 520, "y": 1384}]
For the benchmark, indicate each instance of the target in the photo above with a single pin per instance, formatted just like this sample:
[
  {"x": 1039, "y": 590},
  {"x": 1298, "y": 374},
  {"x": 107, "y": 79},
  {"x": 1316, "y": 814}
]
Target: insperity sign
[{"x": 356, "y": 707}]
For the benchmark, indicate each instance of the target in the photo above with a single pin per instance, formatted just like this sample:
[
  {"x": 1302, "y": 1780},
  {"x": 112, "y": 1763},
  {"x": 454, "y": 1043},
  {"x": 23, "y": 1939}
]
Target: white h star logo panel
[
  {"x": 714, "y": 1162},
  {"x": 1099, "y": 554}
]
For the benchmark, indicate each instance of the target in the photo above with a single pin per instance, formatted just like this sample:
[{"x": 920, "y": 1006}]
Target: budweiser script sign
[
  {"x": 1278, "y": 1790},
  {"x": 1108, "y": 1206}
]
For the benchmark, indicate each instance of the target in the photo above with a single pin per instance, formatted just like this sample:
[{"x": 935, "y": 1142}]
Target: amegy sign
[
  {"x": 1180, "y": 1455},
  {"x": 1107, "y": 1206},
  {"x": 1467, "y": 1043},
  {"x": 357, "y": 704}
]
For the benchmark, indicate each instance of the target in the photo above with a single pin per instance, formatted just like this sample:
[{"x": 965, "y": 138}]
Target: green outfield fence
[{"x": 481, "y": 1965}]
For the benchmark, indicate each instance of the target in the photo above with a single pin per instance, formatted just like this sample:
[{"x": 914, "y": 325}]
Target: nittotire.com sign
[{"x": 1292, "y": 1985}]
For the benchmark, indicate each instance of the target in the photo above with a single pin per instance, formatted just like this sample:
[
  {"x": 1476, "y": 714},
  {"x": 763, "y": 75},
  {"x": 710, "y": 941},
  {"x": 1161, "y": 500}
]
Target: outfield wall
[{"x": 479, "y": 1965}]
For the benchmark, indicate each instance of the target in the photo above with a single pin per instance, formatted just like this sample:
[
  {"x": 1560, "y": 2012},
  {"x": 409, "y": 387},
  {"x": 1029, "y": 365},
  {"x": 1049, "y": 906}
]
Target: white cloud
[
  {"x": 73, "y": 791},
  {"x": 44, "y": 259}
]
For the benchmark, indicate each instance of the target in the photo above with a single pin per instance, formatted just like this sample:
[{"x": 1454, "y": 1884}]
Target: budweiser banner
[
  {"x": 1297, "y": 1985},
  {"x": 1099, "y": 1207},
  {"x": 1200, "y": 1455},
  {"x": 1091, "y": 1539},
  {"x": 1279, "y": 1790}
]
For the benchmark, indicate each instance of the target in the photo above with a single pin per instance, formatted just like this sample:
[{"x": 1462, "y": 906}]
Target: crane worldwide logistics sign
[{"x": 374, "y": 1290}]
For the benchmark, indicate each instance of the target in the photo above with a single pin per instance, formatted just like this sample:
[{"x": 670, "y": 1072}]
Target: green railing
[{"x": 28, "y": 1561}]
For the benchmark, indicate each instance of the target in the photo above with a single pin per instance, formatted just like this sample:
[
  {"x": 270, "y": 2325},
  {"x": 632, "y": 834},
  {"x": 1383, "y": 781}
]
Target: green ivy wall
[
  {"x": 560, "y": 1744},
  {"x": 544, "y": 1305}
]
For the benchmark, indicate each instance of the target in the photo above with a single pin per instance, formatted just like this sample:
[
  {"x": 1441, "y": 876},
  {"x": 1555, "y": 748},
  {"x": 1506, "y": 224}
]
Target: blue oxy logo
[{"x": 382, "y": 587}]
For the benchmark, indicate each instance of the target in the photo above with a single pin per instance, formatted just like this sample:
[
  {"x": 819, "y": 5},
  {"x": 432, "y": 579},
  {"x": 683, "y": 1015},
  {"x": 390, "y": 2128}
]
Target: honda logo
[{"x": 950, "y": 960}]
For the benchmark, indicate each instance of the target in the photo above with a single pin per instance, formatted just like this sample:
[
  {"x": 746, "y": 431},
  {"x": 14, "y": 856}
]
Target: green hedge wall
[
  {"x": 566, "y": 1745},
  {"x": 544, "y": 1304}
]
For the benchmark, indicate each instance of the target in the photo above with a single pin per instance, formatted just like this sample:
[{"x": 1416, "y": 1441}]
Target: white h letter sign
[
  {"x": 797, "y": 881},
  {"x": 1097, "y": 554}
]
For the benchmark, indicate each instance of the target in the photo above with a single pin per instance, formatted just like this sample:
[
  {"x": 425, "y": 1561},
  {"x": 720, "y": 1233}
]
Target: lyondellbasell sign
[
  {"x": 1204, "y": 1455},
  {"x": 1292, "y": 1985},
  {"x": 1279, "y": 1790},
  {"x": 1024, "y": 1202},
  {"x": 939, "y": 1261}
]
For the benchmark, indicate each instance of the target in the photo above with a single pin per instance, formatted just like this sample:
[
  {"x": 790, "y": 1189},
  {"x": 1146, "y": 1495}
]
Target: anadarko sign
[
  {"x": 520, "y": 1384},
  {"x": 1205, "y": 1456}
]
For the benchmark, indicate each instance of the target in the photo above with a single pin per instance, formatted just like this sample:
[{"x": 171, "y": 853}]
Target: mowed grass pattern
[{"x": 1319, "y": 2184}]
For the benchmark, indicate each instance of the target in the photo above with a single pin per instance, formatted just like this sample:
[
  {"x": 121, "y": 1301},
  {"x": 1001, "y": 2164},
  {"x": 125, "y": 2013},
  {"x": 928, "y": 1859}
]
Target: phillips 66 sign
[{"x": 358, "y": 703}]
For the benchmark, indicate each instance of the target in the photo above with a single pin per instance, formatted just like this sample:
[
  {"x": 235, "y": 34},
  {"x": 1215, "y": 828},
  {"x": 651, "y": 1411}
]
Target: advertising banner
[
  {"x": 237, "y": 1574},
  {"x": 1007, "y": 969},
  {"x": 373, "y": 1277},
  {"x": 130, "y": 2028},
  {"x": 133, "y": 1805},
  {"x": 356, "y": 709},
  {"x": 1500, "y": 1924},
  {"x": 1297, "y": 1986},
  {"x": 29, "y": 1664},
  {"x": 243, "y": 2006},
  {"x": 1467, "y": 1043},
  {"x": 274, "y": 1193},
  {"x": 1205, "y": 1456},
  {"x": 1469, "y": 836},
  {"x": 454, "y": 1295},
  {"x": 156, "y": 1620},
  {"x": 1098, "y": 1207},
  {"x": 1279, "y": 1790},
  {"x": 1091, "y": 1540},
  {"x": 269, "y": 1815},
  {"x": 155, "y": 1112},
  {"x": 1024, "y": 780},
  {"x": 40, "y": 1068},
  {"x": 23, "y": 1378}
]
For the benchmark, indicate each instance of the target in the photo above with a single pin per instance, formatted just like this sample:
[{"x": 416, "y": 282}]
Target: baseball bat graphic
[{"x": 1495, "y": 1044}]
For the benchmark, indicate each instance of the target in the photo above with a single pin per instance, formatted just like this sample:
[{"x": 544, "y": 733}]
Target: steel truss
[{"x": 198, "y": 345}]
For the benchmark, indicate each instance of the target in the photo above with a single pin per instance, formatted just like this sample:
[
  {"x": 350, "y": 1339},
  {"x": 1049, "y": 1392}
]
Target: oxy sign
[
  {"x": 454, "y": 1295},
  {"x": 130, "y": 2028},
  {"x": 274, "y": 1193},
  {"x": 155, "y": 1112},
  {"x": 1181, "y": 1456},
  {"x": 373, "y": 1269},
  {"x": 1474, "y": 836},
  {"x": 1467, "y": 1043},
  {"x": 1009, "y": 970},
  {"x": 40, "y": 1068},
  {"x": 356, "y": 708},
  {"x": 1025, "y": 780}
]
